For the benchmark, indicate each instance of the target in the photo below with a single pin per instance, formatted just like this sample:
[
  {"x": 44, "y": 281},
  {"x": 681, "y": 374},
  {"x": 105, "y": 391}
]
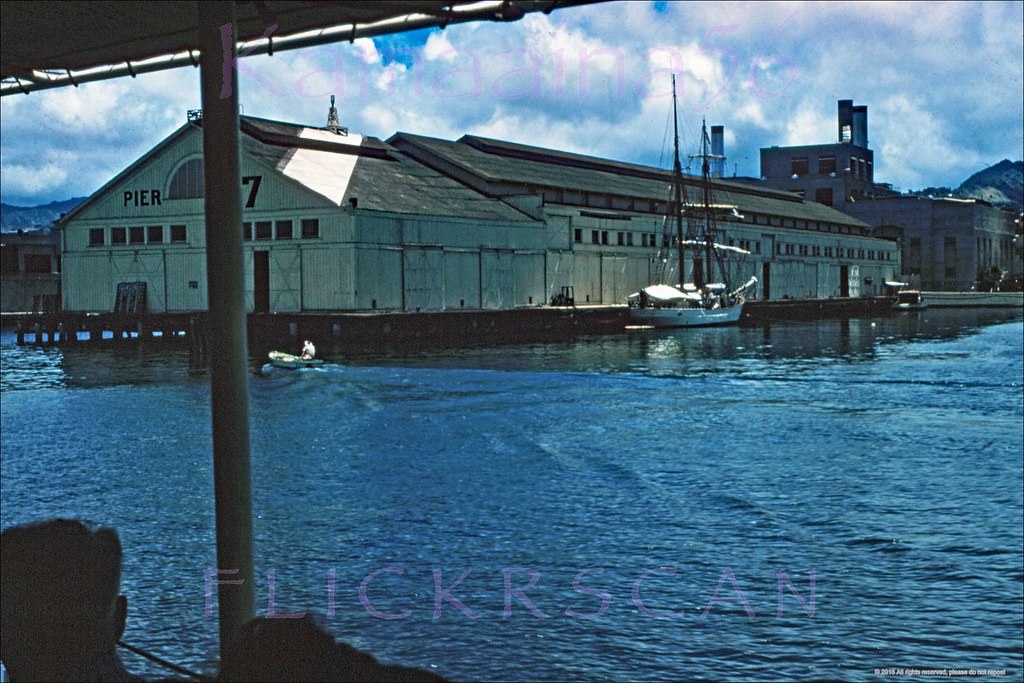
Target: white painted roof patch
[{"x": 326, "y": 173}]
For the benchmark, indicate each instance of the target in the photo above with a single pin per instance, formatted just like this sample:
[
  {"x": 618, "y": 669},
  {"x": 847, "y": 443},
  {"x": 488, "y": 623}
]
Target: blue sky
[{"x": 942, "y": 82}]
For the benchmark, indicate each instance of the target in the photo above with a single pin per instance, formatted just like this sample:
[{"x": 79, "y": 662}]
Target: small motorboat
[
  {"x": 909, "y": 300},
  {"x": 281, "y": 359}
]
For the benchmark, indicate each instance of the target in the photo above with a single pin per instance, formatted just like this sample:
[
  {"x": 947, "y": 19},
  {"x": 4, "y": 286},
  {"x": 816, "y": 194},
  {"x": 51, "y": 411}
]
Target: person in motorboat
[{"x": 308, "y": 350}]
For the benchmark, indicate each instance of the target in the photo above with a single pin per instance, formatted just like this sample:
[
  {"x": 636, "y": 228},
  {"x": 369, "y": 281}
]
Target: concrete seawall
[{"x": 974, "y": 299}]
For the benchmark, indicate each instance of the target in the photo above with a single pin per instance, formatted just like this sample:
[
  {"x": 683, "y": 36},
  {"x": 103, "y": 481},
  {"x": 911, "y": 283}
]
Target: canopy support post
[{"x": 227, "y": 317}]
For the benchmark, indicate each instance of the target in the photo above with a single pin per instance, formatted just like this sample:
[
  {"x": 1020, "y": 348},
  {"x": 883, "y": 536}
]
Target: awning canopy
[{"x": 51, "y": 44}]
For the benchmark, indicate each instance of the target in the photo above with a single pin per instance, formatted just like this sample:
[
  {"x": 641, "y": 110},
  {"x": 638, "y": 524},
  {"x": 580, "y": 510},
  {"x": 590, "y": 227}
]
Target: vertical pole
[{"x": 225, "y": 282}]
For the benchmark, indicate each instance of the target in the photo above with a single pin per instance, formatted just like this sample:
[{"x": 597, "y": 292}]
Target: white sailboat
[{"x": 701, "y": 302}]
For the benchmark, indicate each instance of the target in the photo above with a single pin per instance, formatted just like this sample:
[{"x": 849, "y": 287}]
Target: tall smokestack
[
  {"x": 717, "y": 151},
  {"x": 860, "y": 126},
  {"x": 845, "y": 120}
]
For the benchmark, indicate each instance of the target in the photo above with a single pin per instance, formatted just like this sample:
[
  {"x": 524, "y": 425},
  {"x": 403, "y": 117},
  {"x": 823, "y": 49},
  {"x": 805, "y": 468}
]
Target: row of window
[
  {"x": 829, "y": 252},
  {"x": 799, "y": 223},
  {"x": 309, "y": 228},
  {"x": 137, "y": 234},
  {"x": 31, "y": 264},
  {"x": 626, "y": 239},
  {"x": 859, "y": 168},
  {"x": 601, "y": 200},
  {"x": 801, "y": 165}
]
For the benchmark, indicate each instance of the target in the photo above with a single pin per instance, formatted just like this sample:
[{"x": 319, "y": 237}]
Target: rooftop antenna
[{"x": 333, "y": 124}]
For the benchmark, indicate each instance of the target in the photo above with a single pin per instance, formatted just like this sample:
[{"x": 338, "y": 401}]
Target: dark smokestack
[
  {"x": 717, "y": 151},
  {"x": 860, "y": 126},
  {"x": 845, "y": 120}
]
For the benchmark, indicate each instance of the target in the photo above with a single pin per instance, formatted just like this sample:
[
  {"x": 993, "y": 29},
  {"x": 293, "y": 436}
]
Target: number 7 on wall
[{"x": 255, "y": 180}]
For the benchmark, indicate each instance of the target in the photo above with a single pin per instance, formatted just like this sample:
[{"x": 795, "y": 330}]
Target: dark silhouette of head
[
  {"x": 270, "y": 649},
  {"x": 60, "y": 608}
]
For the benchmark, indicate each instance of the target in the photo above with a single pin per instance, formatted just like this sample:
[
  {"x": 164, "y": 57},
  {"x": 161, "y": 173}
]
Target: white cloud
[
  {"x": 27, "y": 180},
  {"x": 594, "y": 79},
  {"x": 439, "y": 48},
  {"x": 809, "y": 125},
  {"x": 367, "y": 50},
  {"x": 918, "y": 146}
]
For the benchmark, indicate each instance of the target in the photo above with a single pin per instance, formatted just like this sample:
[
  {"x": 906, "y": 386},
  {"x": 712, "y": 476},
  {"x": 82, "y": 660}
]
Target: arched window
[{"x": 187, "y": 182}]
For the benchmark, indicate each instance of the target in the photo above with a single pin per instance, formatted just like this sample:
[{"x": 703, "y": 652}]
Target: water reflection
[{"x": 635, "y": 351}]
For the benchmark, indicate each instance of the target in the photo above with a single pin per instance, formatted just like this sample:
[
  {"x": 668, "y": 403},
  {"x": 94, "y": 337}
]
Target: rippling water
[{"x": 792, "y": 501}]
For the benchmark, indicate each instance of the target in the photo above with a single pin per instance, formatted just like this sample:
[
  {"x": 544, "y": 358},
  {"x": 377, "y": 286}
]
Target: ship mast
[
  {"x": 709, "y": 211},
  {"x": 702, "y": 269},
  {"x": 677, "y": 187}
]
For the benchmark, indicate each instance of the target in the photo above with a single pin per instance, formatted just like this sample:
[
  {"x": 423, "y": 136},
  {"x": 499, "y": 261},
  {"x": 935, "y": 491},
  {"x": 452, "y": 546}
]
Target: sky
[{"x": 942, "y": 82}]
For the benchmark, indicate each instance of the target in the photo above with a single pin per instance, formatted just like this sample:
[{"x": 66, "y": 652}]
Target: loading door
[{"x": 261, "y": 281}]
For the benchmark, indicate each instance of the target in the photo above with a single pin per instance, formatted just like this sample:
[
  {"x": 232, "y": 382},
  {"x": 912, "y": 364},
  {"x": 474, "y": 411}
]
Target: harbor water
[{"x": 838, "y": 499}]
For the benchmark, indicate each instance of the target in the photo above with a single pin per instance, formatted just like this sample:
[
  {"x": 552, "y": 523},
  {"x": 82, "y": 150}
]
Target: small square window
[
  {"x": 136, "y": 235},
  {"x": 578, "y": 235},
  {"x": 263, "y": 230},
  {"x": 118, "y": 236},
  {"x": 96, "y": 237},
  {"x": 37, "y": 263},
  {"x": 283, "y": 230},
  {"x": 310, "y": 227},
  {"x": 155, "y": 234},
  {"x": 178, "y": 233},
  {"x": 595, "y": 237},
  {"x": 247, "y": 230}
]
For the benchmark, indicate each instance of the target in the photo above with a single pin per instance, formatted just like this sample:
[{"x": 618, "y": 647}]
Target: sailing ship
[{"x": 703, "y": 301}]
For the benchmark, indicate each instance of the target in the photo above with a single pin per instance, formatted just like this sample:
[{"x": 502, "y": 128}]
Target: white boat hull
[
  {"x": 686, "y": 317},
  {"x": 286, "y": 360}
]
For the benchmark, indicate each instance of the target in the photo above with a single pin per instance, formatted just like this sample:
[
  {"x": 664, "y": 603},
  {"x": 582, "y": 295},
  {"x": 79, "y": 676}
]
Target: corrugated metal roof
[
  {"x": 496, "y": 162},
  {"x": 380, "y": 177}
]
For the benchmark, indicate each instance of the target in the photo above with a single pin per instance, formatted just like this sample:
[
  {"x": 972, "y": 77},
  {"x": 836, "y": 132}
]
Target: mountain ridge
[{"x": 30, "y": 217}]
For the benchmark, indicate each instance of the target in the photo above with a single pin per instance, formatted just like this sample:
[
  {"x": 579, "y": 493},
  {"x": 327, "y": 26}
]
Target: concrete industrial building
[
  {"x": 944, "y": 242},
  {"x": 334, "y": 221},
  {"x": 29, "y": 271},
  {"x": 834, "y": 174}
]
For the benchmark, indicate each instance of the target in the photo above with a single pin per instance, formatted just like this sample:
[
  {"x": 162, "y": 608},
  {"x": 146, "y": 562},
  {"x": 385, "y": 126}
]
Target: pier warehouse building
[{"x": 335, "y": 221}]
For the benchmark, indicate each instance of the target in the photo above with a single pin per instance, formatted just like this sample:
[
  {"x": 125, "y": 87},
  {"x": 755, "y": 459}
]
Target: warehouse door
[
  {"x": 423, "y": 278},
  {"x": 844, "y": 280},
  {"x": 261, "y": 281},
  {"x": 286, "y": 273},
  {"x": 766, "y": 280},
  {"x": 497, "y": 278}
]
